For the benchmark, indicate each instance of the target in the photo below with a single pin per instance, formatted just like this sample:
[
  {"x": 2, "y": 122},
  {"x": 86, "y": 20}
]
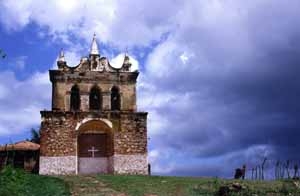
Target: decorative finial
[
  {"x": 94, "y": 46},
  {"x": 126, "y": 64},
  {"x": 61, "y": 57},
  {"x": 126, "y": 57}
]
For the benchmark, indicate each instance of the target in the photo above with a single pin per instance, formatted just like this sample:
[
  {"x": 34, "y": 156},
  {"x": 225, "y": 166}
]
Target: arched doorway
[{"x": 95, "y": 146}]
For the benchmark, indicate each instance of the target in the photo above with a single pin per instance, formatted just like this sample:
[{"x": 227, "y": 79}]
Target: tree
[
  {"x": 296, "y": 172},
  {"x": 287, "y": 167},
  {"x": 35, "y": 136},
  {"x": 262, "y": 168},
  {"x": 277, "y": 170}
]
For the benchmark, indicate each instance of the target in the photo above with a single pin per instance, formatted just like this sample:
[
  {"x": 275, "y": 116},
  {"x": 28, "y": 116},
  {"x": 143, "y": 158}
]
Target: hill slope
[
  {"x": 173, "y": 186},
  {"x": 17, "y": 182}
]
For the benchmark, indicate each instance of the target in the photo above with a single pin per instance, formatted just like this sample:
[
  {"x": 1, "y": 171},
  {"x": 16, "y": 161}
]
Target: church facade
[{"x": 94, "y": 125}]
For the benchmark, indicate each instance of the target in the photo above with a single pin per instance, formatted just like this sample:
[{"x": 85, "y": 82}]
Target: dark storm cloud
[{"x": 243, "y": 85}]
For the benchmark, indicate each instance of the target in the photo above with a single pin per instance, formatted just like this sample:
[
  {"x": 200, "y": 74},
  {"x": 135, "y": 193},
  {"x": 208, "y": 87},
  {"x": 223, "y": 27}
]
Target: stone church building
[{"x": 94, "y": 126}]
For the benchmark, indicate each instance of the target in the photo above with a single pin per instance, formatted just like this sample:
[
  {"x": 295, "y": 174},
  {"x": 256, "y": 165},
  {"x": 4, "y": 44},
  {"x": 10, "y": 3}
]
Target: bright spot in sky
[
  {"x": 184, "y": 58},
  {"x": 67, "y": 5}
]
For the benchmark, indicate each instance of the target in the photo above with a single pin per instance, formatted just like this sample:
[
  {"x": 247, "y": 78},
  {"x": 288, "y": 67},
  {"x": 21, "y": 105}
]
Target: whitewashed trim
[{"x": 85, "y": 120}]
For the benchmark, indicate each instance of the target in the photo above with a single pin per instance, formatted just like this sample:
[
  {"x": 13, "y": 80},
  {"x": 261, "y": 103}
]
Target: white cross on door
[{"x": 93, "y": 150}]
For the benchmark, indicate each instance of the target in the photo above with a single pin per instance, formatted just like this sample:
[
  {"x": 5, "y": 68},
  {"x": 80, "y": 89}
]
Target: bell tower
[{"x": 94, "y": 125}]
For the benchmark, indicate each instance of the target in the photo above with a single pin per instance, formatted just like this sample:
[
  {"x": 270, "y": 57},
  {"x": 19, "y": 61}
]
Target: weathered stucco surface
[{"x": 93, "y": 165}]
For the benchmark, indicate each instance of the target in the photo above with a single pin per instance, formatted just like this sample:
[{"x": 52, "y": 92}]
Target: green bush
[{"x": 15, "y": 182}]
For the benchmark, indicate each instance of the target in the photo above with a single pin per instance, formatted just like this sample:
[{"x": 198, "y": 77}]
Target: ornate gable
[{"x": 94, "y": 62}]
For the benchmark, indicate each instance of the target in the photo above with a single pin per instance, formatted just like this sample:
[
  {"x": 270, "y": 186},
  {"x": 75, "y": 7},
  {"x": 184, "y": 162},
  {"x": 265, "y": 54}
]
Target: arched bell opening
[
  {"x": 95, "y": 98},
  {"x": 115, "y": 97},
  {"x": 75, "y": 98}
]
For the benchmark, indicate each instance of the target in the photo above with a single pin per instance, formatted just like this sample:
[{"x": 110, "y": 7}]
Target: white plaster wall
[
  {"x": 130, "y": 164},
  {"x": 57, "y": 165},
  {"x": 118, "y": 164}
]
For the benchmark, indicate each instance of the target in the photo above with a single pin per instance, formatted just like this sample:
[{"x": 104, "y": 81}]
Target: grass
[
  {"x": 157, "y": 185},
  {"x": 16, "y": 182},
  {"x": 181, "y": 186}
]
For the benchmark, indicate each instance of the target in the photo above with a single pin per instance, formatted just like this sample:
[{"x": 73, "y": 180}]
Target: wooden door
[
  {"x": 92, "y": 145},
  {"x": 92, "y": 153}
]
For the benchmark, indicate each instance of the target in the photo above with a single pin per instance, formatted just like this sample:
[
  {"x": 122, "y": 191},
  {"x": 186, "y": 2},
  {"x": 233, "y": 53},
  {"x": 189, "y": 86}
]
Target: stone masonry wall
[
  {"x": 58, "y": 136},
  {"x": 131, "y": 138}
]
